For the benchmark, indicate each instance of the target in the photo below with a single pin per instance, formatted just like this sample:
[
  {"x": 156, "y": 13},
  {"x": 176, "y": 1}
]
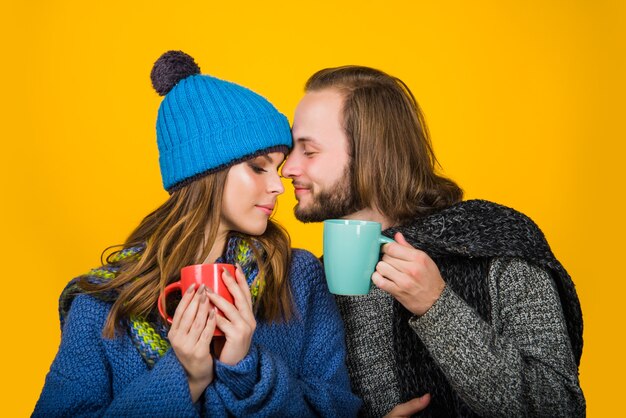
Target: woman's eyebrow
[{"x": 268, "y": 158}]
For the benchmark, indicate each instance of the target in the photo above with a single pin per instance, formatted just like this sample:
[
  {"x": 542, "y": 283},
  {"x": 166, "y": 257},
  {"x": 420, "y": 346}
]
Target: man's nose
[{"x": 291, "y": 168}]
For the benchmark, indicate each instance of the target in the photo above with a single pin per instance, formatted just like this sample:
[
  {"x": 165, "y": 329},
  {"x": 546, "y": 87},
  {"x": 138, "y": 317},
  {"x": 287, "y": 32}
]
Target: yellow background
[{"x": 524, "y": 100}]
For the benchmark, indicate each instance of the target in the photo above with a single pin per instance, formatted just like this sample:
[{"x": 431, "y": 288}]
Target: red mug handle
[{"x": 168, "y": 289}]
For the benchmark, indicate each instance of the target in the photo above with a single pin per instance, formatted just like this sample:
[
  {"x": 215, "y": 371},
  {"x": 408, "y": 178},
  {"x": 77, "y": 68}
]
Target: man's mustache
[{"x": 300, "y": 185}]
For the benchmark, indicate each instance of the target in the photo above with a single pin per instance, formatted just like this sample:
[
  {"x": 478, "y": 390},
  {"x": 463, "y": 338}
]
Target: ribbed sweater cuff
[
  {"x": 240, "y": 378},
  {"x": 437, "y": 317}
]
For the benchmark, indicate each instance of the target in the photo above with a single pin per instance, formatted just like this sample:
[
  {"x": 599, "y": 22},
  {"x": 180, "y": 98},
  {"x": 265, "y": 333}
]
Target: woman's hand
[
  {"x": 190, "y": 335},
  {"x": 238, "y": 323}
]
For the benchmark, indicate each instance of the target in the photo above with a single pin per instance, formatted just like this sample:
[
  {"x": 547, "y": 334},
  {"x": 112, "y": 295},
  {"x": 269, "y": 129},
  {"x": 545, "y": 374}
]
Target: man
[{"x": 471, "y": 314}]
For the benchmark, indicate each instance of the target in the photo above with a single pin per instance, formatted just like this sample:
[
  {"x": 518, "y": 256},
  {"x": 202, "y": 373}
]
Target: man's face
[{"x": 319, "y": 164}]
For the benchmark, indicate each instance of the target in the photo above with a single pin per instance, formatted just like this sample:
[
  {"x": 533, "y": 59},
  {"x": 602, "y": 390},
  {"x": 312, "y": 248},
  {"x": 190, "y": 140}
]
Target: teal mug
[{"x": 351, "y": 251}]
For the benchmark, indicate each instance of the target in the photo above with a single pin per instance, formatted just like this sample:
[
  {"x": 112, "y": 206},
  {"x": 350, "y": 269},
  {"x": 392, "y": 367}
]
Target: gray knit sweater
[{"x": 520, "y": 364}]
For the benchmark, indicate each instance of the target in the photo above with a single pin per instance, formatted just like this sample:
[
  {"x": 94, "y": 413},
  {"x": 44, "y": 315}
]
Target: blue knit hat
[{"x": 206, "y": 124}]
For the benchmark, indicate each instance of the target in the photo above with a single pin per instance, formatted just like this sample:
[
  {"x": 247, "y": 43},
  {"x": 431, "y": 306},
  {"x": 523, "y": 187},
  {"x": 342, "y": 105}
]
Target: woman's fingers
[
  {"x": 209, "y": 328},
  {"x": 243, "y": 284},
  {"x": 238, "y": 333},
  {"x": 199, "y": 323},
  {"x": 234, "y": 289},
  {"x": 227, "y": 308},
  {"x": 244, "y": 301},
  {"x": 189, "y": 314},
  {"x": 234, "y": 329},
  {"x": 182, "y": 305},
  {"x": 226, "y": 326}
]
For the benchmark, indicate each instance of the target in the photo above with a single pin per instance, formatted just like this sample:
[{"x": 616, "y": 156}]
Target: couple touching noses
[{"x": 471, "y": 314}]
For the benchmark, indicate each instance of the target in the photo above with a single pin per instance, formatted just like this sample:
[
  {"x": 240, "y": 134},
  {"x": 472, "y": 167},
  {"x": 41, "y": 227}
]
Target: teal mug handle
[{"x": 384, "y": 240}]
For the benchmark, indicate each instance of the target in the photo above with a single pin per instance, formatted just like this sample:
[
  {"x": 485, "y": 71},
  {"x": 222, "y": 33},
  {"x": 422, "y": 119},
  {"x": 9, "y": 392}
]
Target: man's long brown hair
[
  {"x": 393, "y": 163},
  {"x": 182, "y": 232}
]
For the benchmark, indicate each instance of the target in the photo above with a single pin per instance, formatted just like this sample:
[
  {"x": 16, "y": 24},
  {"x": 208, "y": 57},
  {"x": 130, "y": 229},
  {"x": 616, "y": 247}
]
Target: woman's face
[{"x": 250, "y": 194}]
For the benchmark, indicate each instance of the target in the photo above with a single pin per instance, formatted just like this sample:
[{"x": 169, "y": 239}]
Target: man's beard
[{"x": 333, "y": 202}]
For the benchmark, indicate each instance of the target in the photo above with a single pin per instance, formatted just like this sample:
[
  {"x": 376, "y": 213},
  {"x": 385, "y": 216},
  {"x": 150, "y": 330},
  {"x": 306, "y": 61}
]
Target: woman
[{"x": 220, "y": 146}]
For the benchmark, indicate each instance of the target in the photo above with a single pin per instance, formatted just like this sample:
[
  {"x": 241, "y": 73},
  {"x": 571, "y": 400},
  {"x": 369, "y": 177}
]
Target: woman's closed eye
[{"x": 257, "y": 168}]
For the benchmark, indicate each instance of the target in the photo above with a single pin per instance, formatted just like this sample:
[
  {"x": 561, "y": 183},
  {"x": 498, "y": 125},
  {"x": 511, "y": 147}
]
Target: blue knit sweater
[{"x": 293, "y": 369}]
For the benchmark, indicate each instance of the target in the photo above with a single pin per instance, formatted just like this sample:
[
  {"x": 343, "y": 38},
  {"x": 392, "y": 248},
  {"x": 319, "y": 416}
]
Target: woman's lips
[{"x": 267, "y": 209}]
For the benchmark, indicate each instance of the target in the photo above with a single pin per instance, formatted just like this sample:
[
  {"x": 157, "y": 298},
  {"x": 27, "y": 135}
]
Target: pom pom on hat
[{"x": 170, "y": 68}]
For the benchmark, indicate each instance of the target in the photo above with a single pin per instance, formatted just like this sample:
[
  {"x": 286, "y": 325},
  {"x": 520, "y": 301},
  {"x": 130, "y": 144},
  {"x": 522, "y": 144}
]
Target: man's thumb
[{"x": 399, "y": 237}]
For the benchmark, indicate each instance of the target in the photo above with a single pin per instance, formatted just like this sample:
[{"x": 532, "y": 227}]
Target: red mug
[{"x": 208, "y": 274}]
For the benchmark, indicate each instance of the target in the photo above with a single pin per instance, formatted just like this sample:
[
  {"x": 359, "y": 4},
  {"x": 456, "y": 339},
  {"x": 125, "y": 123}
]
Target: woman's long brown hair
[{"x": 181, "y": 232}]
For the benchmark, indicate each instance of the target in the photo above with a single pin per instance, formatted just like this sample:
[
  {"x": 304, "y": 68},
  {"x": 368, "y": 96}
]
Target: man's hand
[
  {"x": 409, "y": 275},
  {"x": 409, "y": 408}
]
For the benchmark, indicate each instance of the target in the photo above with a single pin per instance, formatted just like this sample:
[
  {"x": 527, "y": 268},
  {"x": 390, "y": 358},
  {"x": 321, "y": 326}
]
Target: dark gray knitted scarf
[{"x": 462, "y": 240}]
